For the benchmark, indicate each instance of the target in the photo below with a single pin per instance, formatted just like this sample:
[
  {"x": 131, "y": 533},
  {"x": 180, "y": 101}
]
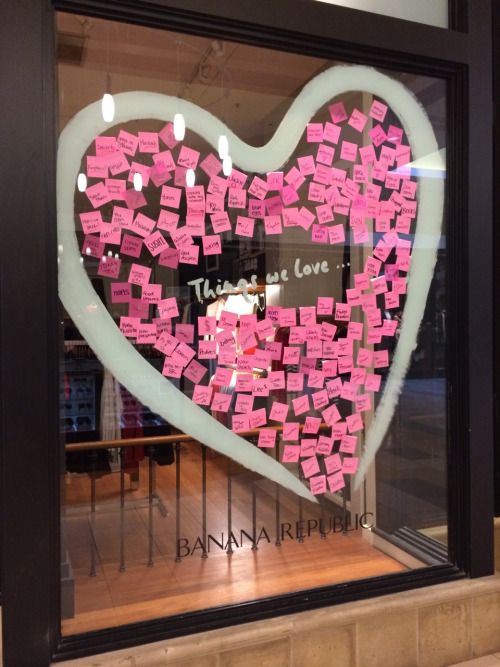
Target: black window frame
[{"x": 32, "y": 453}]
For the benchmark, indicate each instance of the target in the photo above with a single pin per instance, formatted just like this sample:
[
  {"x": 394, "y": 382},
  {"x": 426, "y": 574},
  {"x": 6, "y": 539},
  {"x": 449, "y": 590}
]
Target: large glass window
[{"x": 252, "y": 271}]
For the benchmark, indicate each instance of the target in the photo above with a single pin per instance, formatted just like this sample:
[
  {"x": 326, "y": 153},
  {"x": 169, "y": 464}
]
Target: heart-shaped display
[{"x": 249, "y": 344}]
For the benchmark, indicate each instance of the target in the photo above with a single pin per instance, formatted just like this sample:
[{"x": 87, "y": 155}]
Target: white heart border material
[{"x": 119, "y": 356}]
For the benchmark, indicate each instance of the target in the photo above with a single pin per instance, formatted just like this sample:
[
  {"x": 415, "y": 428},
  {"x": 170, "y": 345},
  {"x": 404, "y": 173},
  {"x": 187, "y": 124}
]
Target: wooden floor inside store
[{"x": 142, "y": 538}]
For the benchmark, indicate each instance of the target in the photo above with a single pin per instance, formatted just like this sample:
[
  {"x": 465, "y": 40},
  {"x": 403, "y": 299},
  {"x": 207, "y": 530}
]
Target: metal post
[
  {"x": 151, "y": 462},
  {"x": 229, "y": 510},
  {"x": 177, "y": 500},
  {"x": 122, "y": 510},
  {"x": 277, "y": 504},
  {"x": 204, "y": 499}
]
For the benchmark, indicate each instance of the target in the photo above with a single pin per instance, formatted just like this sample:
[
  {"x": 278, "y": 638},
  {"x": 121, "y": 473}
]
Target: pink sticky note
[
  {"x": 155, "y": 243},
  {"x": 290, "y": 431},
  {"x": 320, "y": 399},
  {"x": 96, "y": 167},
  {"x": 138, "y": 308},
  {"x": 333, "y": 463},
  {"x": 279, "y": 411},
  {"x": 294, "y": 381},
  {"x": 127, "y": 142},
  {"x": 258, "y": 188},
  {"x": 348, "y": 151},
  {"x": 202, "y": 395},
  {"x": 151, "y": 293},
  {"x": 134, "y": 199},
  {"x": 148, "y": 142},
  {"x": 267, "y": 438},
  {"x": 342, "y": 312},
  {"x": 121, "y": 292},
  {"x": 143, "y": 225},
  {"x": 169, "y": 257},
  {"x": 336, "y": 482},
  {"x": 105, "y": 145},
  {"x": 325, "y": 445},
  {"x": 290, "y": 454},
  {"x": 146, "y": 334},
  {"x": 139, "y": 275},
  {"x": 272, "y": 224},
  {"x": 220, "y": 222},
  {"x": 258, "y": 418},
  {"x": 318, "y": 484},
  {"x": 337, "y": 112},
  {"x": 117, "y": 163},
  {"x": 354, "y": 422},
  {"x": 195, "y": 371},
  {"x": 98, "y": 194},
  {"x": 92, "y": 246},
  {"x": 172, "y": 368},
  {"x": 310, "y": 467},
  {"x": 314, "y": 132},
  {"x": 207, "y": 349},
  {"x": 244, "y": 226},
  {"x": 168, "y": 307},
  {"x": 168, "y": 220},
  {"x": 348, "y": 444},
  {"x": 188, "y": 158},
  {"x": 212, "y": 245},
  {"x": 240, "y": 423},
  {"x": 170, "y": 196},
  {"x": 211, "y": 165},
  {"x": 166, "y": 134},
  {"x": 189, "y": 254},
  {"x": 109, "y": 267},
  {"x": 244, "y": 403},
  {"x": 139, "y": 168},
  {"x": 331, "y": 133},
  {"x": 357, "y": 120},
  {"x": 183, "y": 354},
  {"x": 184, "y": 332},
  {"x": 128, "y": 326},
  {"x": 300, "y": 405},
  {"x": 291, "y": 355},
  {"x": 91, "y": 222}
]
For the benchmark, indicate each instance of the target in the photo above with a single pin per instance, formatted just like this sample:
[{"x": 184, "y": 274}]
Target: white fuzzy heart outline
[{"x": 118, "y": 355}]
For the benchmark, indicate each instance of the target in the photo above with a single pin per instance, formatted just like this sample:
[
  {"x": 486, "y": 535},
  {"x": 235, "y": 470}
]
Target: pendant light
[
  {"x": 223, "y": 147},
  {"x": 107, "y": 102},
  {"x": 227, "y": 165},
  {"x": 137, "y": 181},
  {"x": 81, "y": 182},
  {"x": 179, "y": 127},
  {"x": 190, "y": 178}
]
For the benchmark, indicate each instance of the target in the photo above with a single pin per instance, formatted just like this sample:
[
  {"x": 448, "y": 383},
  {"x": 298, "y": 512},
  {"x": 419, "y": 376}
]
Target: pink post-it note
[
  {"x": 170, "y": 196},
  {"x": 128, "y": 326},
  {"x": 188, "y": 158},
  {"x": 143, "y": 225},
  {"x": 279, "y": 411},
  {"x": 310, "y": 467},
  {"x": 168, "y": 220},
  {"x": 92, "y": 246},
  {"x": 195, "y": 371},
  {"x": 98, "y": 194},
  {"x": 290, "y": 431},
  {"x": 272, "y": 224},
  {"x": 146, "y": 334},
  {"x": 314, "y": 132},
  {"x": 169, "y": 258},
  {"x": 168, "y": 307},
  {"x": 131, "y": 245},
  {"x": 300, "y": 405},
  {"x": 245, "y": 226},
  {"x": 127, "y": 142},
  {"x": 139, "y": 275},
  {"x": 348, "y": 151},
  {"x": 240, "y": 423},
  {"x": 350, "y": 465},
  {"x": 202, "y": 395},
  {"x": 336, "y": 482},
  {"x": 318, "y": 484},
  {"x": 148, "y": 142},
  {"x": 290, "y": 454},
  {"x": 244, "y": 403},
  {"x": 337, "y": 112},
  {"x": 267, "y": 438},
  {"x": 151, "y": 293},
  {"x": 378, "y": 111},
  {"x": 212, "y": 245},
  {"x": 357, "y": 120},
  {"x": 121, "y": 292},
  {"x": 354, "y": 422},
  {"x": 220, "y": 402},
  {"x": 109, "y": 267},
  {"x": 166, "y": 134},
  {"x": 155, "y": 243},
  {"x": 91, "y": 222},
  {"x": 189, "y": 254}
]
